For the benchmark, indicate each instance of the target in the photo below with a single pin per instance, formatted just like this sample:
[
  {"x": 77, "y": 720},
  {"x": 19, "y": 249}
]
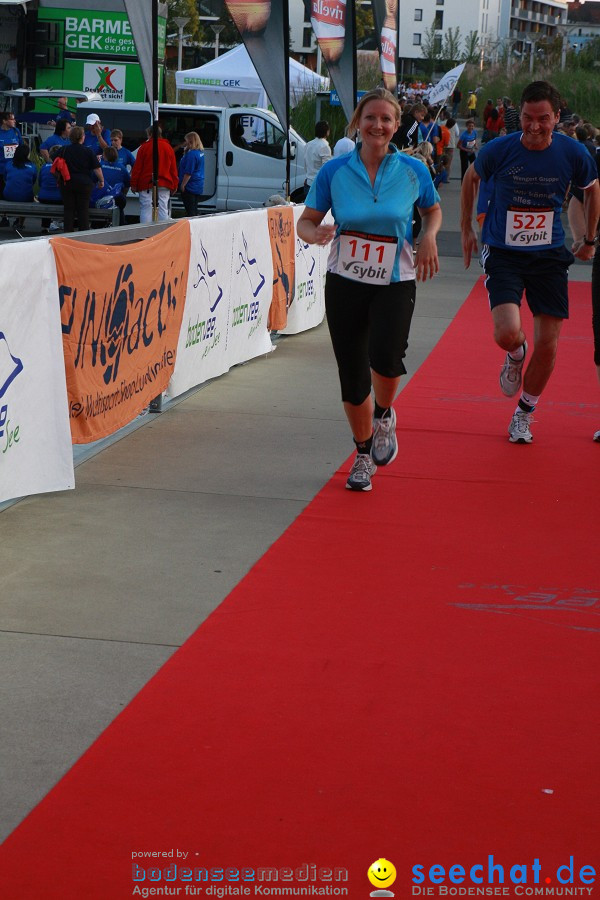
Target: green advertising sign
[{"x": 98, "y": 33}]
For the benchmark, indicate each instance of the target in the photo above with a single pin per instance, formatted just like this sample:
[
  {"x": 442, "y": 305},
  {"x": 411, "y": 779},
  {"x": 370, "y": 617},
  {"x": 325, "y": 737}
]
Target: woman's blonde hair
[
  {"x": 194, "y": 141},
  {"x": 425, "y": 149},
  {"x": 377, "y": 94}
]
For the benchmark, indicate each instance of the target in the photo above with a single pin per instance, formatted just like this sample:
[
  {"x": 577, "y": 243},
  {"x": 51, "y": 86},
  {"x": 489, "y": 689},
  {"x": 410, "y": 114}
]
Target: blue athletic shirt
[
  {"x": 19, "y": 182},
  {"x": 55, "y": 140},
  {"x": 126, "y": 157},
  {"x": 527, "y": 180},
  {"x": 467, "y": 141},
  {"x": 192, "y": 164},
  {"x": 343, "y": 186},
  {"x": 49, "y": 191},
  {"x": 10, "y": 138}
]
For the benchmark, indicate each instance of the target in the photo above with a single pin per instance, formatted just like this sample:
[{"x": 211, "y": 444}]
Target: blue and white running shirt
[
  {"x": 343, "y": 186},
  {"x": 529, "y": 189}
]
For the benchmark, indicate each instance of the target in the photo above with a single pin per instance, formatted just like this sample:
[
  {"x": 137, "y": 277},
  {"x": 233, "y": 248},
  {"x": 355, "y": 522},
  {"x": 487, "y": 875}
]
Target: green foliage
[
  {"x": 451, "y": 42},
  {"x": 184, "y": 9},
  {"x": 472, "y": 49},
  {"x": 364, "y": 22},
  {"x": 430, "y": 49}
]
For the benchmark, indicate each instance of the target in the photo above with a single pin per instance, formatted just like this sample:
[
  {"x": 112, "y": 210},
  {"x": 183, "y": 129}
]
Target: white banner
[
  {"x": 202, "y": 348},
  {"x": 251, "y": 287},
  {"x": 35, "y": 439},
  {"x": 308, "y": 308},
  {"x": 442, "y": 90}
]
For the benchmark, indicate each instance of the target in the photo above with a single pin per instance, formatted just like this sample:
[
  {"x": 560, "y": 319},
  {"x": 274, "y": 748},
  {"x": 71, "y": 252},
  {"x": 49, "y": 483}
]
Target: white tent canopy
[{"x": 231, "y": 80}]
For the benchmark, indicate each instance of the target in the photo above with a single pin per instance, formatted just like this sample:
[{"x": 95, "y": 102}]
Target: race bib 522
[{"x": 529, "y": 227}]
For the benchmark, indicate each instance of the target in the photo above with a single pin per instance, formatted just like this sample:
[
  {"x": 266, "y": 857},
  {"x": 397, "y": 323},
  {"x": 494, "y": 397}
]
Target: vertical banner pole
[
  {"x": 286, "y": 42},
  {"x": 154, "y": 110}
]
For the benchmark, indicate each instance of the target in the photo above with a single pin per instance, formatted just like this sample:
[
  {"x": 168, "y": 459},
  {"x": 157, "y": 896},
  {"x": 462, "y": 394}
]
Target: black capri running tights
[{"x": 369, "y": 326}]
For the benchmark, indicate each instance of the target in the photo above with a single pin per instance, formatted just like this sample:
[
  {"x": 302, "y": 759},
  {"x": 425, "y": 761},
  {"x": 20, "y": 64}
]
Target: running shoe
[
  {"x": 361, "y": 473},
  {"x": 510, "y": 374},
  {"x": 597, "y": 437},
  {"x": 384, "y": 448},
  {"x": 518, "y": 430}
]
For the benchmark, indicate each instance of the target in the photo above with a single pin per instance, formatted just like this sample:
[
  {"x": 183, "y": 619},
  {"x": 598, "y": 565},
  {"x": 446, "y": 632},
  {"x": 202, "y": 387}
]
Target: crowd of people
[{"x": 88, "y": 167}]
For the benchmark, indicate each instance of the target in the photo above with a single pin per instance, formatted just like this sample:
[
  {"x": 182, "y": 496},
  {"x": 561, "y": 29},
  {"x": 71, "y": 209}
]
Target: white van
[{"x": 245, "y": 148}]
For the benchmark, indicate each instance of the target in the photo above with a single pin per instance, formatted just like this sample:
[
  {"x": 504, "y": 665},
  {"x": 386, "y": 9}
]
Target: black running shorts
[
  {"x": 541, "y": 274},
  {"x": 369, "y": 326}
]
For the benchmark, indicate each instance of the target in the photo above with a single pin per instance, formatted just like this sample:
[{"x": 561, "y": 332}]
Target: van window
[
  {"x": 255, "y": 134},
  {"x": 175, "y": 126}
]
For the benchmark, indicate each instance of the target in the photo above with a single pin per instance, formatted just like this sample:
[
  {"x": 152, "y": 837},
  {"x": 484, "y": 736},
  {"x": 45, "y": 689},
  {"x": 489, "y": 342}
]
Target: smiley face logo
[{"x": 382, "y": 873}]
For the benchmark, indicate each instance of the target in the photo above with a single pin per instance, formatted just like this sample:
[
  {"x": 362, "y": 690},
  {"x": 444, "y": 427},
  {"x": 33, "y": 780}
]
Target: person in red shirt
[{"x": 141, "y": 177}]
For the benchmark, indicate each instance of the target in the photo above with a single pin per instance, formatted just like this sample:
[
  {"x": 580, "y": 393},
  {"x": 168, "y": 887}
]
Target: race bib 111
[{"x": 367, "y": 257}]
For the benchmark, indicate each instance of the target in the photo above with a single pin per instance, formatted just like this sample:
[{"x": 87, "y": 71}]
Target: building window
[
  {"x": 439, "y": 2},
  {"x": 437, "y": 44},
  {"x": 417, "y": 40},
  {"x": 418, "y": 15},
  {"x": 439, "y": 20},
  {"x": 306, "y": 37}
]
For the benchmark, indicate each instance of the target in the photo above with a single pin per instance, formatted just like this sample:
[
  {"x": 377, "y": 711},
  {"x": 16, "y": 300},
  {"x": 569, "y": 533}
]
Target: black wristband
[{"x": 591, "y": 243}]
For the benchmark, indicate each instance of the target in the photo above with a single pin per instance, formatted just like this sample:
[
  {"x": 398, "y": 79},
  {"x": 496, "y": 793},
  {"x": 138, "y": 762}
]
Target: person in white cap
[{"x": 97, "y": 138}]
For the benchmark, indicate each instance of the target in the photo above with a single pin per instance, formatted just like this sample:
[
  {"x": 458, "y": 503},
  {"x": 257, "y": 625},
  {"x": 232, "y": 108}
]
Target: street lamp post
[
  {"x": 181, "y": 22},
  {"x": 217, "y": 27}
]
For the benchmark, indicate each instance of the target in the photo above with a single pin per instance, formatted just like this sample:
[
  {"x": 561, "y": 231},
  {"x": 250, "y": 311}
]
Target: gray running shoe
[
  {"x": 510, "y": 374},
  {"x": 384, "y": 448},
  {"x": 597, "y": 437},
  {"x": 518, "y": 430},
  {"x": 361, "y": 473}
]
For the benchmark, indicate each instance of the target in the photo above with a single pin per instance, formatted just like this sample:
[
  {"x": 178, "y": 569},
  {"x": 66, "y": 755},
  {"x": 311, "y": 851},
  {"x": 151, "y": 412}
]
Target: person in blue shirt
[
  {"x": 191, "y": 173},
  {"x": 116, "y": 183},
  {"x": 21, "y": 175},
  {"x": 467, "y": 146},
  {"x": 60, "y": 138},
  {"x": 370, "y": 285},
  {"x": 48, "y": 189},
  {"x": 126, "y": 157},
  {"x": 96, "y": 137},
  {"x": 524, "y": 242},
  {"x": 10, "y": 139},
  {"x": 63, "y": 111}
]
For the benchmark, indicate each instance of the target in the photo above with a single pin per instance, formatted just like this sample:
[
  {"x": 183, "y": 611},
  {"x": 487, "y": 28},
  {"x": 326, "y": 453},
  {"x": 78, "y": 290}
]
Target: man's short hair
[
  {"x": 538, "y": 91},
  {"x": 110, "y": 154},
  {"x": 150, "y": 131},
  {"x": 116, "y": 132},
  {"x": 322, "y": 129}
]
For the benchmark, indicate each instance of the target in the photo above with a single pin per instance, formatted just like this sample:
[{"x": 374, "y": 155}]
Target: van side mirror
[{"x": 291, "y": 145}]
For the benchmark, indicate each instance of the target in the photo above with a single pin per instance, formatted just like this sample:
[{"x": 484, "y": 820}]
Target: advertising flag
[
  {"x": 442, "y": 90},
  {"x": 264, "y": 28},
  {"x": 385, "y": 13},
  {"x": 333, "y": 22}
]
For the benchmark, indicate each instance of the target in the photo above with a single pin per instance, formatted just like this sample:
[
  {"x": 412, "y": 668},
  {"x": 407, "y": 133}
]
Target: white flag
[{"x": 442, "y": 90}]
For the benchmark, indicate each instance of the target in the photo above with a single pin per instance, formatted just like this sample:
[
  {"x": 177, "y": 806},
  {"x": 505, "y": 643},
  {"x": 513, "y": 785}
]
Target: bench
[{"x": 36, "y": 210}]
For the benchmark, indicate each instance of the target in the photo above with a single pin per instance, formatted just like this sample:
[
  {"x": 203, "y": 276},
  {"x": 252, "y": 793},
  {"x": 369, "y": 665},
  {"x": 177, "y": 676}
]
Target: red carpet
[{"x": 410, "y": 674}]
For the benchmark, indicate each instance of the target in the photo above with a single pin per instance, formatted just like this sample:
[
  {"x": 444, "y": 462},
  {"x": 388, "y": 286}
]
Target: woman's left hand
[{"x": 426, "y": 261}]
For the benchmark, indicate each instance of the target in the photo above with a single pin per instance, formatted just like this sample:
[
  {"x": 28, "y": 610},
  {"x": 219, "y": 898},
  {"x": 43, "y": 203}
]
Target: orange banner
[
  {"x": 121, "y": 310},
  {"x": 283, "y": 250}
]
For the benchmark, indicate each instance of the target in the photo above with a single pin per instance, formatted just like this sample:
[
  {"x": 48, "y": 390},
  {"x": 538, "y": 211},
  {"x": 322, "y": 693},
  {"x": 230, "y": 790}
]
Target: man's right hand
[{"x": 469, "y": 245}]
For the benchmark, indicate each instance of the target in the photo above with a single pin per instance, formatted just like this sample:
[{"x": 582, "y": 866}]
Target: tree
[
  {"x": 431, "y": 49},
  {"x": 451, "y": 45},
  {"x": 184, "y": 9},
  {"x": 365, "y": 25},
  {"x": 472, "y": 48}
]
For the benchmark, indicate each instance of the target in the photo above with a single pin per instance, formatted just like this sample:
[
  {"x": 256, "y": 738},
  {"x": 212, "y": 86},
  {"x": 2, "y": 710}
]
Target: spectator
[
  {"x": 407, "y": 134},
  {"x": 83, "y": 165},
  {"x": 126, "y": 157},
  {"x": 10, "y": 139},
  {"x": 64, "y": 112},
  {"x": 60, "y": 138},
  {"x": 191, "y": 173},
  {"x": 511, "y": 116},
  {"x": 472, "y": 105},
  {"x": 141, "y": 177},
  {"x": 317, "y": 152},
  {"x": 49, "y": 191},
  {"x": 11, "y": 69},
  {"x": 456, "y": 101},
  {"x": 116, "y": 183},
  {"x": 21, "y": 175},
  {"x": 96, "y": 137},
  {"x": 467, "y": 145},
  {"x": 344, "y": 145},
  {"x": 454, "y": 130}
]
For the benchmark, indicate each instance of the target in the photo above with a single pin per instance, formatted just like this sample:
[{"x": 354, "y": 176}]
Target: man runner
[{"x": 523, "y": 240}]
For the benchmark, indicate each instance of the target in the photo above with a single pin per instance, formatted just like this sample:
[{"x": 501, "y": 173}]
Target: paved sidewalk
[{"x": 102, "y": 584}]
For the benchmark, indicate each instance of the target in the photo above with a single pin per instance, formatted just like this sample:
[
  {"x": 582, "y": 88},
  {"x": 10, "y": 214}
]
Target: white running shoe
[
  {"x": 361, "y": 473},
  {"x": 510, "y": 373},
  {"x": 597, "y": 437},
  {"x": 384, "y": 448},
  {"x": 518, "y": 430}
]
